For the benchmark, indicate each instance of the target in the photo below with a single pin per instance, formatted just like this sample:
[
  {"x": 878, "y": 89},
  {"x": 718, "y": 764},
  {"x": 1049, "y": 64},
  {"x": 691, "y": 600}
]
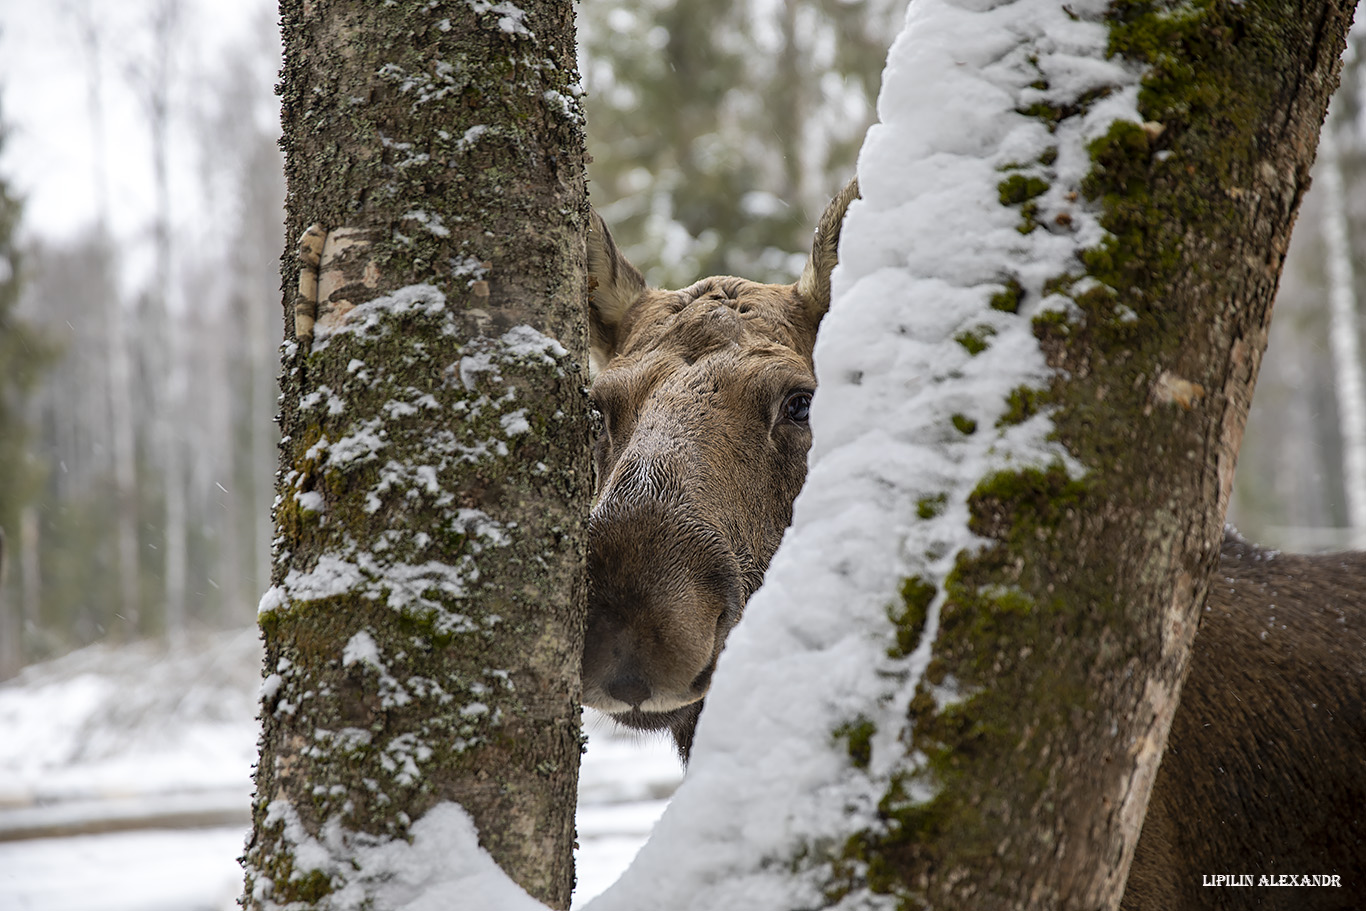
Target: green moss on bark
[
  {"x": 859, "y": 736},
  {"x": 910, "y": 615},
  {"x": 1008, "y": 299},
  {"x": 975, "y": 340}
]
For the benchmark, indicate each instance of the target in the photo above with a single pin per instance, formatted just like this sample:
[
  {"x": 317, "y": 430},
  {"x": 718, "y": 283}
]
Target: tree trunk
[
  {"x": 1344, "y": 333},
  {"x": 1025, "y": 438},
  {"x": 30, "y": 568},
  {"x": 124, "y": 444},
  {"x": 166, "y": 32},
  {"x": 11, "y": 623},
  {"x": 424, "y": 628}
]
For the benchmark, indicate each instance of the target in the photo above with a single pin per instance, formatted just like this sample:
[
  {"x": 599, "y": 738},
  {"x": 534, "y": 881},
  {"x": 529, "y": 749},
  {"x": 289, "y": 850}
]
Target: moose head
[{"x": 704, "y": 395}]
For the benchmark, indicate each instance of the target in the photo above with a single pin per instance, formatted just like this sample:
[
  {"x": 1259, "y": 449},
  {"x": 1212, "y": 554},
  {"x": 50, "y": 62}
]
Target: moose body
[{"x": 704, "y": 395}]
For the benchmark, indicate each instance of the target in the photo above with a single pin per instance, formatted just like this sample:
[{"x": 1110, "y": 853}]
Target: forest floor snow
[{"x": 152, "y": 750}]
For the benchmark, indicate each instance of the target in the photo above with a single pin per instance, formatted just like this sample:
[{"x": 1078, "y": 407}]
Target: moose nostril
[{"x": 629, "y": 689}]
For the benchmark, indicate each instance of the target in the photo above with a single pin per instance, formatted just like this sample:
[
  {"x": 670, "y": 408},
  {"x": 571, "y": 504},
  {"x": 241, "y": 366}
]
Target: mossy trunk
[
  {"x": 1070, "y": 637},
  {"x": 424, "y": 627}
]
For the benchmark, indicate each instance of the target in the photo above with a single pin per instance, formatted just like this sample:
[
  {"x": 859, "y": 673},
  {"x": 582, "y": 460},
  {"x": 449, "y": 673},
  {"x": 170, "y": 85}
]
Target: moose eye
[{"x": 797, "y": 407}]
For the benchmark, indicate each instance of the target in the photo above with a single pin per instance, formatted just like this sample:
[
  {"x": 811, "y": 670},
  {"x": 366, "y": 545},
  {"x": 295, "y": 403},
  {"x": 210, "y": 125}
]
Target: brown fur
[
  {"x": 698, "y": 466},
  {"x": 693, "y": 428},
  {"x": 1265, "y": 768}
]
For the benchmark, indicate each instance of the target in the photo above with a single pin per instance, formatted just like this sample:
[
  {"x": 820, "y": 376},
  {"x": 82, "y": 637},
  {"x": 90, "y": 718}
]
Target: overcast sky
[{"x": 49, "y": 156}]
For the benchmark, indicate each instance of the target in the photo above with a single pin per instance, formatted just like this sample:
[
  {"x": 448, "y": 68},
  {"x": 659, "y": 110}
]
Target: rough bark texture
[
  {"x": 424, "y": 628},
  {"x": 1089, "y": 602}
]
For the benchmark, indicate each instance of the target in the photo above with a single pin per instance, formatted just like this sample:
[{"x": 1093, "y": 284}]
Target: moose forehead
[{"x": 716, "y": 315}]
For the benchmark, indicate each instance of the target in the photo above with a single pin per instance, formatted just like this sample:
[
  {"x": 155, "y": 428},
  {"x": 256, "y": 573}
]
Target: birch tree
[
  {"x": 1345, "y": 336},
  {"x": 424, "y": 628},
  {"x": 118, "y": 404},
  {"x": 153, "y": 77}
]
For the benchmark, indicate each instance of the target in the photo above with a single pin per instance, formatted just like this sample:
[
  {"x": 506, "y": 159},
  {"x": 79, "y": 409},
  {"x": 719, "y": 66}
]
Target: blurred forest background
[{"x": 140, "y": 308}]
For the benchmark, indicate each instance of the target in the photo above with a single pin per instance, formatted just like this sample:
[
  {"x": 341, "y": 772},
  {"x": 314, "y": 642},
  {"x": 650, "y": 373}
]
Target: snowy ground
[{"x": 155, "y": 749}]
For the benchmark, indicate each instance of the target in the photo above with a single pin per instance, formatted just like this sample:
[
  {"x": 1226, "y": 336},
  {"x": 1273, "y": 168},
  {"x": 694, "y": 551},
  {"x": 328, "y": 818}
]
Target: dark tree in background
[
  {"x": 22, "y": 355},
  {"x": 719, "y": 130}
]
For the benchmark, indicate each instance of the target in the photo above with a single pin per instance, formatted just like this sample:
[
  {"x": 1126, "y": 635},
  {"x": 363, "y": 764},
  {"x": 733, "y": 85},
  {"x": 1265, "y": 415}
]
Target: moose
[{"x": 704, "y": 396}]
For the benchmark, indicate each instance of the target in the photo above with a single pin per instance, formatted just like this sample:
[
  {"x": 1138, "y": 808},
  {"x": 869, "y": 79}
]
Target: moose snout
[{"x": 663, "y": 592}]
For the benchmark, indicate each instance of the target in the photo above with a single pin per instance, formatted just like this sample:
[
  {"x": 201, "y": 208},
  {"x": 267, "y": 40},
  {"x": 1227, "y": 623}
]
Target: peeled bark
[{"x": 424, "y": 627}]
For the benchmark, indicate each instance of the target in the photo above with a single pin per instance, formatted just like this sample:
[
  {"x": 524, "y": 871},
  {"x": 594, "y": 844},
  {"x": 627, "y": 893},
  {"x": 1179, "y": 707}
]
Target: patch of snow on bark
[
  {"x": 442, "y": 866},
  {"x": 323, "y": 395},
  {"x": 511, "y": 18},
  {"x": 421, "y": 588},
  {"x": 429, "y": 221},
  {"x": 483, "y": 359},
  {"x": 373, "y": 319},
  {"x": 362, "y": 648}
]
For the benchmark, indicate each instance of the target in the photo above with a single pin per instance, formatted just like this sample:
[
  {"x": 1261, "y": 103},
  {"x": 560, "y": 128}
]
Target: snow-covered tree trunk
[
  {"x": 956, "y": 684},
  {"x": 424, "y": 628}
]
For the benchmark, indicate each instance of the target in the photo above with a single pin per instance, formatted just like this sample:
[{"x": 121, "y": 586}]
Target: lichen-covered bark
[
  {"x": 1068, "y": 640},
  {"x": 424, "y": 627}
]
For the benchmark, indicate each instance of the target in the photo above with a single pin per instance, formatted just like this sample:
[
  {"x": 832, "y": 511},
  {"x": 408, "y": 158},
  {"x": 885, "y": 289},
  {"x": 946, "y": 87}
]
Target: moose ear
[
  {"x": 613, "y": 286},
  {"x": 814, "y": 285}
]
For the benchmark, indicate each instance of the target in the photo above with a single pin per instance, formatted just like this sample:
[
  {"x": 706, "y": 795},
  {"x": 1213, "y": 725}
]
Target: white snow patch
[
  {"x": 272, "y": 600},
  {"x": 332, "y": 576},
  {"x": 525, "y": 341},
  {"x": 515, "y": 422},
  {"x": 270, "y": 687},
  {"x": 310, "y": 501},
  {"x": 396, "y": 409},
  {"x": 565, "y": 105},
  {"x": 485, "y": 357},
  {"x": 471, "y": 365},
  {"x": 472, "y": 135},
  {"x": 323, "y": 395},
  {"x": 362, "y": 445},
  {"x": 401, "y": 756},
  {"x": 424, "y": 587},
  {"x": 442, "y": 866},
  {"x": 429, "y": 221},
  {"x": 362, "y": 648},
  {"x": 374, "y": 318},
  {"x": 511, "y": 18},
  {"x": 480, "y": 525}
]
